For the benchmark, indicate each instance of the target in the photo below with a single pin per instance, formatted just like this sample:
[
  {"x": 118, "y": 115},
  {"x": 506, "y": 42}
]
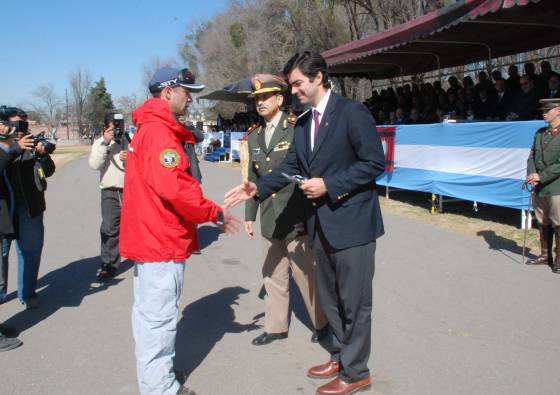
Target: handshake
[{"x": 312, "y": 188}]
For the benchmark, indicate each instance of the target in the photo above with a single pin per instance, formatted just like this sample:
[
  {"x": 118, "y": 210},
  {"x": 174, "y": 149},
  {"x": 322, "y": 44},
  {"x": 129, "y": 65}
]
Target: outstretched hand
[
  {"x": 231, "y": 224},
  {"x": 240, "y": 193}
]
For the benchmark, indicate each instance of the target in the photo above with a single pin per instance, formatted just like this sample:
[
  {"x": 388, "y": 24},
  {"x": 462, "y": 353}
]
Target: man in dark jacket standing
[
  {"x": 6, "y": 155},
  {"x": 339, "y": 154},
  {"x": 27, "y": 175}
]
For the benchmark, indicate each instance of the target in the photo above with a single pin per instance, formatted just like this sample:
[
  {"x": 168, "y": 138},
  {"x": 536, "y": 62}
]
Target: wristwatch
[{"x": 220, "y": 218}]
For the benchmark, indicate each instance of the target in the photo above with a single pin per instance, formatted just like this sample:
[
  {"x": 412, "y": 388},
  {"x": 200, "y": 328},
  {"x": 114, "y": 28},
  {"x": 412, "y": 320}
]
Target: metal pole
[{"x": 67, "y": 116}]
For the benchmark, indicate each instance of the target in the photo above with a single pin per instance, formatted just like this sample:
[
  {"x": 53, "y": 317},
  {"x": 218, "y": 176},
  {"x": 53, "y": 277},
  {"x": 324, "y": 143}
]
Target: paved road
[{"x": 451, "y": 314}]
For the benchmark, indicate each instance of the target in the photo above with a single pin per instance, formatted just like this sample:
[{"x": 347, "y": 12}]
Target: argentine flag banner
[{"x": 484, "y": 162}]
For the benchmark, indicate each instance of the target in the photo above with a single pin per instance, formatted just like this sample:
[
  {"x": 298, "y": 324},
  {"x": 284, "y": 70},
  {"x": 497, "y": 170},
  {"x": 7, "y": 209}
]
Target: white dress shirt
[{"x": 321, "y": 107}]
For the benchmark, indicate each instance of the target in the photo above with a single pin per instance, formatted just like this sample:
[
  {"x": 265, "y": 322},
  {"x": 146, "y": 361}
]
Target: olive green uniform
[
  {"x": 544, "y": 160},
  {"x": 285, "y": 243}
]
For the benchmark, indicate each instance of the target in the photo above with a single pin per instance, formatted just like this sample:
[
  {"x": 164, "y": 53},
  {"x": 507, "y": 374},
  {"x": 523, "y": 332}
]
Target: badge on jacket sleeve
[{"x": 169, "y": 158}]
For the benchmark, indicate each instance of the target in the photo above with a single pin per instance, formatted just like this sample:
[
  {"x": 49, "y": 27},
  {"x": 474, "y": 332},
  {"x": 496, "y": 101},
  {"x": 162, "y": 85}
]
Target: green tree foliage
[{"x": 100, "y": 103}]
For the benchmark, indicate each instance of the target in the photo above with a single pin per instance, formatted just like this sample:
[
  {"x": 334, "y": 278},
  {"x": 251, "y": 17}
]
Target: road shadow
[
  {"x": 207, "y": 235},
  {"x": 500, "y": 243},
  {"x": 203, "y": 324},
  {"x": 66, "y": 286}
]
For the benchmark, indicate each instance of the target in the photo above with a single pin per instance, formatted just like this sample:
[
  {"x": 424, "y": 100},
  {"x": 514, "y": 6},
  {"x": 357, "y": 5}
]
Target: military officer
[
  {"x": 284, "y": 244},
  {"x": 543, "y": 169}
]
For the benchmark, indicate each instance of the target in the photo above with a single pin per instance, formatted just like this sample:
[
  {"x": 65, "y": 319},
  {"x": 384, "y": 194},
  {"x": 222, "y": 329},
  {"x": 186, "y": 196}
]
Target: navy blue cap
[{"x": 169, "y": 76}]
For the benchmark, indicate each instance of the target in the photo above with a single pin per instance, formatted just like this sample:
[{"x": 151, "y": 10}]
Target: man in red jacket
[{"x": 162, "y": 204}]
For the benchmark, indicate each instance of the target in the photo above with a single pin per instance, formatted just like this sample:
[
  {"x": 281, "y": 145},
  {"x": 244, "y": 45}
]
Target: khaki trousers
[
  {"x": 547, "y": 210},
  {"x": 280, "y": 256}
]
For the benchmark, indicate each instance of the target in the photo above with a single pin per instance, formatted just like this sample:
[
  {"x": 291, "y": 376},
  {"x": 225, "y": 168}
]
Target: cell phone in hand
[{"x": 296, "y": 179}]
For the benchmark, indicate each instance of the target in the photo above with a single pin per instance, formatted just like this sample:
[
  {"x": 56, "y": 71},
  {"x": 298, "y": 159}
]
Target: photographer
[
  {"x": 26, "y": 176},
  {"x": 108, "y": 156},
  {"x": 7, "y": 342}
]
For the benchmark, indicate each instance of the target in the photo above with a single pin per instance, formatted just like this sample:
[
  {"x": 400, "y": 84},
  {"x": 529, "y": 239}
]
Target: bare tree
[
  {"x": 80, "y": 83},
  {"x": 127, "y": 104},
  {"x": 47, "y": 105}
]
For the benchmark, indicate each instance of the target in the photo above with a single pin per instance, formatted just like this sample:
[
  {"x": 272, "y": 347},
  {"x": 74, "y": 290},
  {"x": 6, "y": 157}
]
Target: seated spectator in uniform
[
  {"x": 553, "y": 86},
  {"x": 526, "y": 103},
  {"x": 485, "y": 108},
  {"x": 504, "y": 99},
  {"x": 513, "y": 81}
]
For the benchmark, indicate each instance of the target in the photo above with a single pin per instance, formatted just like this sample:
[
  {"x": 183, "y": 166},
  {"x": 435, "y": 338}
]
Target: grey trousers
[
  {"x": 344, "y": 285},
  {"x": 158, "y": 287},
  {"x": 111, "y": 202}
]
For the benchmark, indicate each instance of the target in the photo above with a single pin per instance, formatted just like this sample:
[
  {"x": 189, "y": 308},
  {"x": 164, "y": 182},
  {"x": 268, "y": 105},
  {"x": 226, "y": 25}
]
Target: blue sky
[{"x": 44, "y": 41}]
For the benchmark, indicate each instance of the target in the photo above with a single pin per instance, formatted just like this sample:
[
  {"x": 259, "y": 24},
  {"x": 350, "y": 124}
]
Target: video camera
[
  {"x": 118, "y": 126},
  {"x": 48, "y": 146}
]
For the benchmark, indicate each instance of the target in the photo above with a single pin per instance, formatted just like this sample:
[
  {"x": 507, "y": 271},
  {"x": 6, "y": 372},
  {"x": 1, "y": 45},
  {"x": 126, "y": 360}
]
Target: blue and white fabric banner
[
  {"x": 235, "y": 138},
  {"x": 484, "y": 162}
]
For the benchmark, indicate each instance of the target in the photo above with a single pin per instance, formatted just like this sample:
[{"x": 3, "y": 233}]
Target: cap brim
[
  {"x": 194, "y": 87},
  {"x": 265, "y": 90}
]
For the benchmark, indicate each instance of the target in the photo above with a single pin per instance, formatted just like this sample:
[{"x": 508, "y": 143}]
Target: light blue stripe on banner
[
  {"x": 475, "y": 134},
  {"x": 498, "y": 191}
]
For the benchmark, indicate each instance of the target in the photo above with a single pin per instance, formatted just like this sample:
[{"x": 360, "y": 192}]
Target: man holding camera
[
  {"x": 162, "y": 204},
  {"x": 7, "y": 339},
  {"x": 26, "y": 179},
  {"x": 108, "y": 156}
]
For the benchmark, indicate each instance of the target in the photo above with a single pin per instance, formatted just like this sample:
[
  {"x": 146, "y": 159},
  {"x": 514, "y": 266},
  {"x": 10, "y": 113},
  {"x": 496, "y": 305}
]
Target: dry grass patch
[{"x": 498, "y": 226}]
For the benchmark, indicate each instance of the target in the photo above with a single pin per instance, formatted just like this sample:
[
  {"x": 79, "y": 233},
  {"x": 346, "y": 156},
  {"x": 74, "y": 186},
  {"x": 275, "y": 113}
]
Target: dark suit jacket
[
  {"x": 503, "y": 104},
  {"x": 348, "y": 156},
  {"x": 6, "y": 227}
]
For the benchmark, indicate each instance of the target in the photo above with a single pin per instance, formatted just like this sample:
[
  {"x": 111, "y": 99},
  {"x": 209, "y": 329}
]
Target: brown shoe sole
[{"x": 365, "y": 387}]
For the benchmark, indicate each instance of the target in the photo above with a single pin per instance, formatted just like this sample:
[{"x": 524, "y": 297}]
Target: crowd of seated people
[{"x": 495, "y": 98}]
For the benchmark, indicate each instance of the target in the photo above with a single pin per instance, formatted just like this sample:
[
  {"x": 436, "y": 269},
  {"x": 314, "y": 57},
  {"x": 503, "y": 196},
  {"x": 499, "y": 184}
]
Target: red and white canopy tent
[{"x": 462, "y": 33}]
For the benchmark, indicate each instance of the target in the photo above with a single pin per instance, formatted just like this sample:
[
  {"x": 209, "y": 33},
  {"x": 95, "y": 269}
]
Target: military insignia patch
[
  {"x": 257, "y": 84},
  {"x": 169, "y": 158},
  {"x": 281, "y": 146}
]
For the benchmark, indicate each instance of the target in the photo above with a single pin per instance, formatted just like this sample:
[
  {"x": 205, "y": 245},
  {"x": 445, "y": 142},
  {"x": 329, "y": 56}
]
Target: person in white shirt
[{"x": 108, "y": 157}]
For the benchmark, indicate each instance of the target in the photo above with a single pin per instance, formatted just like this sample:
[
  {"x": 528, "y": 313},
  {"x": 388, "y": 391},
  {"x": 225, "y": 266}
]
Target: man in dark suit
[
  {"x": 553, "y": 87},
  {"x": 338, "y": 152},
  {"x": 504, "y": 98}
]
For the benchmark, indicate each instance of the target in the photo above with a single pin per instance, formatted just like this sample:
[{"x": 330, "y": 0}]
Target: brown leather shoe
[
  {"x": 339, "y": 387},
  {"x": 324, "y": 371}
]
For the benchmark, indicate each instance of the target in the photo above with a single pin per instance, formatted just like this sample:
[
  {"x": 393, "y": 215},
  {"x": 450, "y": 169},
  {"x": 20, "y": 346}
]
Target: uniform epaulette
[{"x": 252, "y": 128}]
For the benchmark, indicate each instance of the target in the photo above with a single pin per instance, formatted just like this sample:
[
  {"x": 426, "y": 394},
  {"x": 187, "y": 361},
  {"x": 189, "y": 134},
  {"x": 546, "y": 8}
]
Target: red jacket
[{"x": 162, "y": 203}]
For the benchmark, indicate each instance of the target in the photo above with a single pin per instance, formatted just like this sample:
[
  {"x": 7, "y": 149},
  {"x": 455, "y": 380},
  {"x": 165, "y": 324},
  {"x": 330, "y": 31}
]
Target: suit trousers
[
  {"x": 111, "y": 203},
  {"x": 344, "y": 284},
  {"x": 280, "y": 257}
]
